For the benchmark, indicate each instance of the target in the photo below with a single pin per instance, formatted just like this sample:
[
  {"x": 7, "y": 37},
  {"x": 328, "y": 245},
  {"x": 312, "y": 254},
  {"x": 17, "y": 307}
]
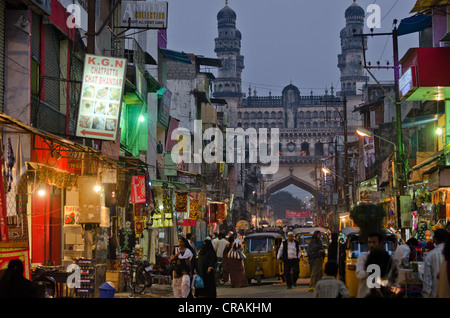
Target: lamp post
[{"x": 367, "y": 133}]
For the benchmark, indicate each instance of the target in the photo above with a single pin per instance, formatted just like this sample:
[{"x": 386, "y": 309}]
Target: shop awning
[
  {"x": 10, "y": 125},
  {"x": 175, "y": 56},
  {"x": 422, "y": 5},
  {"x": 414, "y": 24},
  {"x": 420, "y": 120},
  {"x": 435, "y": 157}
]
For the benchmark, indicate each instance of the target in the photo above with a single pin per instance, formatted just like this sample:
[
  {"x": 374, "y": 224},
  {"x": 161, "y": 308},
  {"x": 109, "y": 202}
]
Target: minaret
[
  {"x": 227, "y": 85},
  {"x": 351, "y": 58}
]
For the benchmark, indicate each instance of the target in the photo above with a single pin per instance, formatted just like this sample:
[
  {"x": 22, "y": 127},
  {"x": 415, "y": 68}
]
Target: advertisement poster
[
  {"x": 101, "y": 97},
  {"x": 138, "y": 189},
  {"x": 71, "y": 215}
]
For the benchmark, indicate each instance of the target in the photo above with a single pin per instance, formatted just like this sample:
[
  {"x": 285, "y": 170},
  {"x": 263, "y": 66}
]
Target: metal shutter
[{"x": 52, "y": 66}]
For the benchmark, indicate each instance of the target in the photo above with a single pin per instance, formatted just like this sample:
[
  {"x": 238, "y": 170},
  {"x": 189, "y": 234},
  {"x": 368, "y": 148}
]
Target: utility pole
[
  {"x": 401, "y": 159},
  {"x": 346, "y": 194}
]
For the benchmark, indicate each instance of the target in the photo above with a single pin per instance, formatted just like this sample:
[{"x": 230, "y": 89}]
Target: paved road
[{"x": 269, "y": 288}]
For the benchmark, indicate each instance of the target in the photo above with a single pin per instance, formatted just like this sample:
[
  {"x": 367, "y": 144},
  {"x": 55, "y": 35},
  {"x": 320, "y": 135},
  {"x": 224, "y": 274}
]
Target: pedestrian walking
[
  {"x": 403, "y": 252},
  {"x": 380, "y": 287},
  {"x": 444, "y": 273},
  {"x": 432, "y": 264},
  {"x": 220, "y": 246},
  {"x": 182, "y": 272},
  {"x": 236, "y": 265},
  {"x": 225, "y": 266},
  {"x": 206, "y": 264},
  {"x": 13, "y": 284},
  {"x": 315, "y": 254},
  {"x": 329, "y": 286},
  {"x": 333, "y": 247},
  {"x": 374, "y": 241},
  {"x": 289, "y": 253}
]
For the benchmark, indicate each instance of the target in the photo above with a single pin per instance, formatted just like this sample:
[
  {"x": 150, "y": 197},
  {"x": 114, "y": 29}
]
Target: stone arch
[{"x": 291, "y": 179}]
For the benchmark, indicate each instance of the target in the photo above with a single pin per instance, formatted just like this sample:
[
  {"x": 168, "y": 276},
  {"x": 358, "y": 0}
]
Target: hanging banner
[
  {"x": 138, "y": 189},
  {"x": 181, "y": 202},
  {"x": 101, "y": 97},
  {"x": 297, "y": 214},
  {"x": 193, "y": 209},
  {"x": 369, "y": 151},
  {"x": 8, "y": 254}
]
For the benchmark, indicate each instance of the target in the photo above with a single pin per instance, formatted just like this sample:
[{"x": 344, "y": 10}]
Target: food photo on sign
[{"x": 101, "y": 94}]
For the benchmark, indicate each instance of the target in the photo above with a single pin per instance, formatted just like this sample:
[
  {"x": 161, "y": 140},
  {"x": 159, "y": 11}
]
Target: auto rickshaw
[
  {"x": 261, "y": 260},
  {"x": 303, "y": 235},
  {"x": 349, "y": 249}
]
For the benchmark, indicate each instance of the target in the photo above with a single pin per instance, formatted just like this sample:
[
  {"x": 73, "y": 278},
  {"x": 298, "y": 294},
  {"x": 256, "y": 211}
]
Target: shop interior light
[
  {"x": 161, "y": 207},
  {"x": 141, "y": 118},
  {"x": 439, "y": 131},
  {"x": 41, "y": 192},
  {"x": 97, "y": 188}
]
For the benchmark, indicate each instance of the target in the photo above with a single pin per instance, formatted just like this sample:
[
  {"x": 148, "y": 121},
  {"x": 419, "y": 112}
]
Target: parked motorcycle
[{"x": 44, "y": 283}]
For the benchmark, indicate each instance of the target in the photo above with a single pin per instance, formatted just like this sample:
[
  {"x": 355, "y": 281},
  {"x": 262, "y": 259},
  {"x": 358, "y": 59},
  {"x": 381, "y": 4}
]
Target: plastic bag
[{"x": 198, "y": 282}]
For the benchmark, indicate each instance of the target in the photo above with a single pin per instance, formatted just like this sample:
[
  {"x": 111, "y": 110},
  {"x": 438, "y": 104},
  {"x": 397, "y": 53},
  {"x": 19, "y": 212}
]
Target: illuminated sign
[
  {"x": 101, "y": 97},
  {"x": 408, "y": 82},
  {"x": 297, "y": 214},
  {"x": 144, "y": 14}
]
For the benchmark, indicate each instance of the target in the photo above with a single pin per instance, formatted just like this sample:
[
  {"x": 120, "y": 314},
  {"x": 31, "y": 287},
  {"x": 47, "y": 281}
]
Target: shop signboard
[
  {"x": 164, "y": 107},
  {"x": 101, "y": 97},
  {"x": 144, "y": 14},
  {"x": 297, "y": 214},
  {"x": 408, "y": 82},
  {"x": 405, "y": 213}
]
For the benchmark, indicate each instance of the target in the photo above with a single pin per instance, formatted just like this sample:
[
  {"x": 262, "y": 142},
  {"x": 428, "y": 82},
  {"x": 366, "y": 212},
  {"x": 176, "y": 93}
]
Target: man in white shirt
[
  {"x": 432, "y": 264},
  {"x": 402, "y": 253},
  {"x": 374, "y": 241},
  {"x": 289, "y": 253},
  {"x": 220, "y": 246}
]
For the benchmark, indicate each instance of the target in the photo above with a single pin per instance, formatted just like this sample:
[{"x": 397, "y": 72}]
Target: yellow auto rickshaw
[
  {"x": 261, "y": 260},
  {"x": 303, "y": 235},
  {"x": 350, "y": 248}
]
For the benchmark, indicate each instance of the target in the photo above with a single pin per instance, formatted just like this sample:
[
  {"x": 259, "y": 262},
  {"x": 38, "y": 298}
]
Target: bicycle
[{"x": 138, "y": 276}]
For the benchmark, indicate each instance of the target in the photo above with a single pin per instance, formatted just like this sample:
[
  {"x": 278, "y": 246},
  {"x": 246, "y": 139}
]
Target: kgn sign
[
  {"x": 144, "y": 14},
  {"x": 101, "y": 97}
]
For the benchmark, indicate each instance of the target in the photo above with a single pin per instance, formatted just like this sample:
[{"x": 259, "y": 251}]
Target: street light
[
  {"x": 367, "y": 133},
  {"x": 326, "y": 170}
]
